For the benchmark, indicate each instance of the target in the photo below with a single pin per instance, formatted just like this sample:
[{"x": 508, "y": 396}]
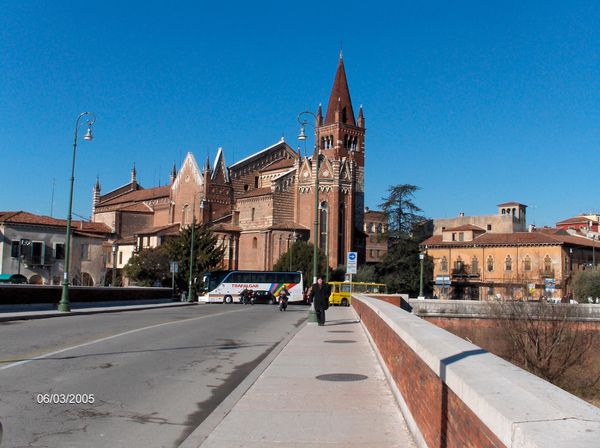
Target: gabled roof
[
  {"x": 577, "y": 220},
  {"x": 21, "y": 217},
  {"x": 340, "y": 97},
  {"x": 139, "y": 196},
  {"x": 465, "y": 227},
  {"x": 220, "y": 167},
  {"x": 169, "y": 229},
  {"x": 279, "y": 165},
  {"x": 259, "y": 154}
]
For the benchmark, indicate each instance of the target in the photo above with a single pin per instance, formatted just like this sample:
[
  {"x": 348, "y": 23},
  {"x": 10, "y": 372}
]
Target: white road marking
[{"x": 85, "y": 344}]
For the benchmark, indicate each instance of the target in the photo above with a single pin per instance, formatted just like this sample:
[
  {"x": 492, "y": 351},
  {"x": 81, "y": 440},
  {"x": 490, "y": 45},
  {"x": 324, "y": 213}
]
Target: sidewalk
[
  {"x": 23, "y": 315},
  {"x": 325, "y": 388}
]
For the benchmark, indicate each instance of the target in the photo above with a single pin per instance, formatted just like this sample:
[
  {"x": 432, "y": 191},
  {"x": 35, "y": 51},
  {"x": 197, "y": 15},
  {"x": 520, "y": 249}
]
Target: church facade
[{"x": 258, "y": 206}]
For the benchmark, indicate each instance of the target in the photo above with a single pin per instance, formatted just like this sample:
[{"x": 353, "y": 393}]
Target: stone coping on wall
[
  {"x": 482, "y": 309},
  {"x": 521, "y": 409}
]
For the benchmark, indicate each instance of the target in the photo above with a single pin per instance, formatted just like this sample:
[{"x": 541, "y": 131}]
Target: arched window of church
[
  {"x": 254, "y": 243},
  {"x": 322, "y": 142},
  {"x": 255, "y": 181},
  {"x": 323, "y": 210},
  {"x": 184, "y": 214},
  {"x": 331, "y": 141},
  {"x": 527, "y": 263},
  {"x": 252, "y": 213}
]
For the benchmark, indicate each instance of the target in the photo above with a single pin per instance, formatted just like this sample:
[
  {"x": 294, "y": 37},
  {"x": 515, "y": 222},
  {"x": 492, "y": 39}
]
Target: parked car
[
  {"x": 264, "y": 297},
  {"x": 13, "y": 278}
]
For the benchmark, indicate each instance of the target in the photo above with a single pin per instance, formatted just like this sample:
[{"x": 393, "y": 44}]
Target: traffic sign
[
  {"x": 174, "y": 267},
  {"x": 351, "y": 263}
]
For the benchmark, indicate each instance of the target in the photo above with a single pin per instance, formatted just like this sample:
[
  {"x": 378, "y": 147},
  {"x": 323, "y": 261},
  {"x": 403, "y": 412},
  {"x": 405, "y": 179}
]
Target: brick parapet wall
[{"x": 459, "y": 395}]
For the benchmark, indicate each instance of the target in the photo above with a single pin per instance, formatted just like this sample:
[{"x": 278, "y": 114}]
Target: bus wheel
[
  {"x": 345, "y": 302},
  {"x": 227, "y": 299}
]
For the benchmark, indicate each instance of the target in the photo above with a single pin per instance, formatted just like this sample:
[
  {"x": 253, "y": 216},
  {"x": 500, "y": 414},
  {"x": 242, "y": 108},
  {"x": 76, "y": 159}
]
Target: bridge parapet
[{"x": 454, "y": 393}]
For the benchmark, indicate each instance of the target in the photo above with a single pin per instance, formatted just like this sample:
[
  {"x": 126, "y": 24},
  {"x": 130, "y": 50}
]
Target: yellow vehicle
[{"x": 340, "y": 291}]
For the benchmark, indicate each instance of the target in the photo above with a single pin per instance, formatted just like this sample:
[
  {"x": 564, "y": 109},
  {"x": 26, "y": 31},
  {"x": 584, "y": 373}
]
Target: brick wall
[{"x": 442, "y": 418}]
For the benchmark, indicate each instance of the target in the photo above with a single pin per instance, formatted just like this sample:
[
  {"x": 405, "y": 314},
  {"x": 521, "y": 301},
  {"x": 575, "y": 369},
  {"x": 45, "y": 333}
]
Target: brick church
[{"x": 258, "y": 206}]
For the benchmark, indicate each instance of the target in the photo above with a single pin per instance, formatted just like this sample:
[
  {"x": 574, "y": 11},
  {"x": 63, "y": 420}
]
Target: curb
[
  {"x": 94, "y": 311},
  {"x": 201, "y": 433}
]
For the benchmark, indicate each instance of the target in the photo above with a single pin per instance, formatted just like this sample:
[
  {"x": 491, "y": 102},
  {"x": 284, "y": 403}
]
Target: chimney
[
  {"x": 531, "y": 228},
  {"x": 461, "y": 214}
]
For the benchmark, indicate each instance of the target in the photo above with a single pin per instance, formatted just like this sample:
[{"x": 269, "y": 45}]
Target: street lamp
[
  {"x": 325, "y": 208},
  {"x": 303, "y": 122},
  {"x": 421, "y": 258},
  {"x": 190, "y": 298},
  {"x": 312, "y": 316},
  {"x": 64, "y": 305},
  {"x": 114, "y": 269}
]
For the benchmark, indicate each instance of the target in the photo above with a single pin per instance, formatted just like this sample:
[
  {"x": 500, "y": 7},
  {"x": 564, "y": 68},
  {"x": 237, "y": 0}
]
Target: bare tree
[{"x": 545, "y": 339}]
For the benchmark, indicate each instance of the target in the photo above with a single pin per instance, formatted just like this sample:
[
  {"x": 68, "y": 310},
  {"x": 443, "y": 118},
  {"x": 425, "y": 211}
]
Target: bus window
[{"x": 345, "y": 288}]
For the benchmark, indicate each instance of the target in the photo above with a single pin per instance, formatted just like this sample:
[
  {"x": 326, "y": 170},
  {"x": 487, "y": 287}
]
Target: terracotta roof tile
[
  {"x": 465, "y": 227},
  {"x": 577, "y": 220},
  {"x": 279, "y": 165},
  {"x": 21, "y": 217},
  {"x": 139, "y": 195},
  {"x": 512, "y": 239}
]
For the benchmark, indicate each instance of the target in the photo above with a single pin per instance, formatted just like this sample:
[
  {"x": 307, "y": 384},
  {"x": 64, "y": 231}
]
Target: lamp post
[
  {"x": 114, "y": 267},
  {"x": 312, "y": 316},
  {"x": 421, "y": 259},
  {"x": 191, "y": 276},
  {"x": 325, "y": 209},
  {"x": 64, "y": 305}
]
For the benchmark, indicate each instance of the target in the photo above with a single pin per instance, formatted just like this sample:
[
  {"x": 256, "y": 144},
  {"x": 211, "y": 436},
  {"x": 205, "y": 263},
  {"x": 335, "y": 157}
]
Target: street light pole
[
  {"x": 421, "y": 258},
  {"x": 190, "y": 298},
  {"x": 64, "y": 305},
  {"x": 114, "y": 269},
  {"x": 325, "y": 208},
  {"x": 312, "y": 316}
]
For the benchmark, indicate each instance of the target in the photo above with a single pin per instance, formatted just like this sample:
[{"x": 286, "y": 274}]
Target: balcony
[
  {"x": 466, "y": 272},
  {"x": 547, "y": 273}
]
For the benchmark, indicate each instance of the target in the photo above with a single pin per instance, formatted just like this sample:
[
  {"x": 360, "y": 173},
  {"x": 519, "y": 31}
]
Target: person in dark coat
[{"x": 319, "y": 295}]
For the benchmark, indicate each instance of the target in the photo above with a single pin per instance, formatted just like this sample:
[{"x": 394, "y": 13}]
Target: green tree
[
  {"x": 403, "y": 214},
  {"x": 148, "y": 267},
  {"x": 207, "y": 254},
  {"x": 366, "y": 273},
  {"x": 400, "y": 268},
  {"x": 586, "y": 284},
  {"x": 300, "y": 258}
]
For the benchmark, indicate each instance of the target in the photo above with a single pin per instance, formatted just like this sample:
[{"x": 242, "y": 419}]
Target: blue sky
[{"x": 476, "y": 103}]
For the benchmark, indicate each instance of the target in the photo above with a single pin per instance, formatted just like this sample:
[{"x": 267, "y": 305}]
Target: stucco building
[
  {"x": 472, "y": 263},
  {"x": 34, "y": 246},
  {"x": 260, "y": 205},
  {"x": 376, "y": 227}
]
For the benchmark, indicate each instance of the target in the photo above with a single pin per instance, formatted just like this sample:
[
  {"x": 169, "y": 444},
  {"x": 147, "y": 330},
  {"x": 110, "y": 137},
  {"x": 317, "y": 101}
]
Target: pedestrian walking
[{"x": 319, "y": 295}]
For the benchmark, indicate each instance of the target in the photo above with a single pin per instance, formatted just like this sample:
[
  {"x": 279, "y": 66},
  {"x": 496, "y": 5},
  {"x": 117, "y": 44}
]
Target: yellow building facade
[{"x": 470, "y": 263}]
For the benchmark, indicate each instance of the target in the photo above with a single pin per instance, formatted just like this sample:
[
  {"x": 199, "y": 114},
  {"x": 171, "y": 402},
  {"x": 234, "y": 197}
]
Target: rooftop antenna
[{"x": 52, "y": 200}]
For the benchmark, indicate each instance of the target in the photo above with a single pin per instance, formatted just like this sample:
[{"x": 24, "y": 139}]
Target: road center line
[{"x": 85, "y": 344}]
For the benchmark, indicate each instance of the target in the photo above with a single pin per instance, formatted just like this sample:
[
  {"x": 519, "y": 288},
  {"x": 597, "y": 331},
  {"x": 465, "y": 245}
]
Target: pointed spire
[
  {"x": 361, "y": 119},
  {"x": 133, "y": 174},
  {"x": 320, "y": 115},
  {"x": 340, "y": 91},
  {"x": 96, "y": 195},
  {"x": 97, "y": 186},
  {"x": 173, "y": 173},
  {"x": 207, "y": 166}
]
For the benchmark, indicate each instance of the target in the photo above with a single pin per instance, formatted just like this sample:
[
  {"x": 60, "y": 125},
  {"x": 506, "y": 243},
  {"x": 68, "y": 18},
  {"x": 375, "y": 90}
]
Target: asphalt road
[{"x": 154, "y": 374}]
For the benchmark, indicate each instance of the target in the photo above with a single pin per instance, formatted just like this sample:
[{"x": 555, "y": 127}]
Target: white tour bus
[{"x": 226, "y": 286}]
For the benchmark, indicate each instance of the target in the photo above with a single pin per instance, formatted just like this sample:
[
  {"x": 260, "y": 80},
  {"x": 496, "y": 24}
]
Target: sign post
[
  {"x": 174, "y": 268},
  {"x": 351, "y": 266}
]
